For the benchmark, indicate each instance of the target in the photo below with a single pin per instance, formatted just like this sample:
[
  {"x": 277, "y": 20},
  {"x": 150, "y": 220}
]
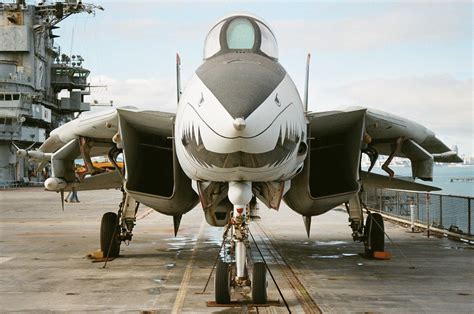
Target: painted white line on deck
[
  {"x": 4, "y": 259},
  {"x": 178, "y": 303}
]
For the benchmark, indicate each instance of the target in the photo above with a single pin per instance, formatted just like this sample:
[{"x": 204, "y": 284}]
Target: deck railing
[{"x": 445, "y": 212}]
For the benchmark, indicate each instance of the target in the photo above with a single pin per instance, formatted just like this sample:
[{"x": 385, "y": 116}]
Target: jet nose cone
[{"x": 239, "y": 124}]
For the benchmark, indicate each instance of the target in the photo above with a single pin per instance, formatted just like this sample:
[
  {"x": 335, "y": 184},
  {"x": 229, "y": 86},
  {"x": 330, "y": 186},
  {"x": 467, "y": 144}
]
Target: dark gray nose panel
[{"x": 241, "y": 81}]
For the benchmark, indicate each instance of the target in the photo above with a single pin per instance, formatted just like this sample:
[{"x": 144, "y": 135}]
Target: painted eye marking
[
  {"x": 201, "y": 101},
  {"x": 277, "y": 101}
]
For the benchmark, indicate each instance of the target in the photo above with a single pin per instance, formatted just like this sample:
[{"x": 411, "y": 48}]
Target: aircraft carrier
[
  {"x": 33, "y": 72},
  {"x": 49, "y": 260},
  {"x": 43, "y": 263}
]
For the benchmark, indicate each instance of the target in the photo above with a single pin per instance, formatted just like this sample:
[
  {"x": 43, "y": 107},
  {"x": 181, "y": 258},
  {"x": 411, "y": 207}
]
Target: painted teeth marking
[
  {"x": 282, "y": 133},
  {"x": 196, "y": 132}
]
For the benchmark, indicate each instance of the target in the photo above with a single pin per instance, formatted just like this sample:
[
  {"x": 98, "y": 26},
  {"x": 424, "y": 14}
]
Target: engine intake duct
[
  {"x": 153, "y": 175},
  {"x": 331, "y": 170},
  {"x": 149, "y": 160}
]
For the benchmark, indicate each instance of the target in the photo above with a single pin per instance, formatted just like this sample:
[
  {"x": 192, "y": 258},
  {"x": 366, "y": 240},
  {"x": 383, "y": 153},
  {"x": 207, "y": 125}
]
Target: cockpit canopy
[{"x": 241, "y": 33}]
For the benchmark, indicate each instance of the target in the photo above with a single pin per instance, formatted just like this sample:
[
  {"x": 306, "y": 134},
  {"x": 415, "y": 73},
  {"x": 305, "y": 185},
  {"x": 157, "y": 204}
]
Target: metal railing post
[
  {"x": 397, "y": 195},
  {"x": 441, "y": 210},
  {"x": 427, "y": 215},
  {"x": 418, "y": 206},
  {"x": 380, "y": 200},
  {"x": 469, "y": 216}
]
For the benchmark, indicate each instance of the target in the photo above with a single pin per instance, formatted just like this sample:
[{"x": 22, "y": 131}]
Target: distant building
[{"x": 33, "y": 71}]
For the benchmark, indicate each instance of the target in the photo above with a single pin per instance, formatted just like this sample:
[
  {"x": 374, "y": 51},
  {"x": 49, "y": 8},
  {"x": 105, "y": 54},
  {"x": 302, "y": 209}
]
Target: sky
[{"x": 410, "y": 58}]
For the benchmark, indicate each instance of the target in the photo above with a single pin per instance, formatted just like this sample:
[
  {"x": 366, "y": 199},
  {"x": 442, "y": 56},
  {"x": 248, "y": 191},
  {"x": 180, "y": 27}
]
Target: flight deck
[{"x": 43, "y": 263}]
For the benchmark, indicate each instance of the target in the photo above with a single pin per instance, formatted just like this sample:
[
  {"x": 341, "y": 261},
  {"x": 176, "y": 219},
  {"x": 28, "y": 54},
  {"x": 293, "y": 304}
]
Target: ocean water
[{"x": 442, "y": 176}]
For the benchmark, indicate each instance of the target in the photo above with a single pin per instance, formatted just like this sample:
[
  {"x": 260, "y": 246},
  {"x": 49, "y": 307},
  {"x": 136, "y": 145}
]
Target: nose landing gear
[{"x": 232, "y": 270}]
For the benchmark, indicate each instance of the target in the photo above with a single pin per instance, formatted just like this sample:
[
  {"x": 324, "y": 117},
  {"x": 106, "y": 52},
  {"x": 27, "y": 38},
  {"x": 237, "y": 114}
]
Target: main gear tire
[
  {"x": 374, "y": 234},
  {"x": 110, "y": 235}
]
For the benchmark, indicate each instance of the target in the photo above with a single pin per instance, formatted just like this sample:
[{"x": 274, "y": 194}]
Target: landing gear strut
[
  {"x": 372, "y": 233},
  {"x": 356, "y": 217},
  {"x": 115, "y": 228}
]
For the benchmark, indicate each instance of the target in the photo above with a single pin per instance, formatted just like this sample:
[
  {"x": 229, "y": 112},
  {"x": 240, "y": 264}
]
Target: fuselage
[{"x": 240, "y": 117}]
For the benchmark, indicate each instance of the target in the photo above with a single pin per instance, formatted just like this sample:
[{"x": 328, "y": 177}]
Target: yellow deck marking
[
  {"x": 304, "y": 298},
  {"x": 183, "y": 288}
]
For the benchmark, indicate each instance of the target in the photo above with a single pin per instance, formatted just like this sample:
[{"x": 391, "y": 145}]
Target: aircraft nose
[
  {"x": 241, "y": 82},
  {"x": 239, "y": 124}
]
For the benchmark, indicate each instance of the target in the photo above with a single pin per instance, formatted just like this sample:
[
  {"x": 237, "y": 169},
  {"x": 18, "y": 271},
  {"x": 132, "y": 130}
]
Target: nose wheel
[
  {"x": 226, "y": 279},
  {"x": 259, "y": 283},
  {"x": 222, "y": 282}
]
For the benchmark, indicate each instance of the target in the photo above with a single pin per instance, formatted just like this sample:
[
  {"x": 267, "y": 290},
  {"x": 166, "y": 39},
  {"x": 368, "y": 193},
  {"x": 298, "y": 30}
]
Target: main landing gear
[
  {"x": 372, "y": 234},
  {"x": 110, "y": 235},
  {"x": 232, "y": 269},
  {"x": 374, "y": 240},
  {"x": 115, "y": 228}
]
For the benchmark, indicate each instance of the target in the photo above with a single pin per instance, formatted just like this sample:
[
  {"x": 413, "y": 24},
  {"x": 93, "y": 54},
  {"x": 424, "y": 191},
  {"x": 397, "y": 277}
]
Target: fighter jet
[{"x": 241, "y": 133}]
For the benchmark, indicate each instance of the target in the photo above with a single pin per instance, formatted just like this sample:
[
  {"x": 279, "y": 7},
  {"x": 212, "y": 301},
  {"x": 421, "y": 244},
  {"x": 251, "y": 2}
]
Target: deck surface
[{"x": 43, "y": 264}]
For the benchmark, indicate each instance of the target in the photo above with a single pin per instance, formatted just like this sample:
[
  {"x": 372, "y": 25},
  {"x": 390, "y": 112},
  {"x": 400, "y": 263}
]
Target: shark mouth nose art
[{"x": 288, "y": 140}]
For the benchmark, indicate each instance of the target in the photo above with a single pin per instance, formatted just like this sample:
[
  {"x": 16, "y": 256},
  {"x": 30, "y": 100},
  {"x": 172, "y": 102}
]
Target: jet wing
[
  {"x": 385, "y": 128},
  {"x": 103, "y": 126},
  {"x": 387, "y": 134},
  {"x": 381, "y": 181},
  {"x": 95, "y": 134},
  {"x": 101, "y": 181}
]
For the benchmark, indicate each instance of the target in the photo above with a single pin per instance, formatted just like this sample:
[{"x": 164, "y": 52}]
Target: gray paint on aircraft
[{"x": 241, "y": 81}]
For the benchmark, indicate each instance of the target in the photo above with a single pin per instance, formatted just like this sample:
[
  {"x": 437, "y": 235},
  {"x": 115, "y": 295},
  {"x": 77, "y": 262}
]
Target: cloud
[
  {"x": 441, "y": 103},
  {"x": 158, "y": 94},
  {"x": 404, "y": 23},
  {"x": 152, "y": 28}
]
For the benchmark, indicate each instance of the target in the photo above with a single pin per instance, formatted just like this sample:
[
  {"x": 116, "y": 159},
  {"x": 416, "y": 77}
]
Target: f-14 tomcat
[{"x": 241, "y": 132}]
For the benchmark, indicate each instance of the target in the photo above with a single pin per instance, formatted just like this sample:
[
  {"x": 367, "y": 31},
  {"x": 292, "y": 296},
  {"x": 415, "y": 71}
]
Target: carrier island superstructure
[{"x": 33, "y": 71}]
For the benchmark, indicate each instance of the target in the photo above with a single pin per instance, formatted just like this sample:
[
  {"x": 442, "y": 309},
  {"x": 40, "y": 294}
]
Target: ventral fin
[
  {"x": 176, "y": 222},
  {"x": 307, "y": 224}
]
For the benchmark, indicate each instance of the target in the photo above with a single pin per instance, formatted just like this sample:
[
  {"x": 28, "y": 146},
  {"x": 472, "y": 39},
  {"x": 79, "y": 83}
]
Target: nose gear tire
[
  {"x": 259, "y": 283},
  {"x": 222, "y": 283}
]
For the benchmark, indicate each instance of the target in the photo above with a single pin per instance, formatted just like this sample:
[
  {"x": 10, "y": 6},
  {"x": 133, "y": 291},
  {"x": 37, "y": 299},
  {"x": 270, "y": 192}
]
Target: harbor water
[{"x": 453, "y": 180}]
